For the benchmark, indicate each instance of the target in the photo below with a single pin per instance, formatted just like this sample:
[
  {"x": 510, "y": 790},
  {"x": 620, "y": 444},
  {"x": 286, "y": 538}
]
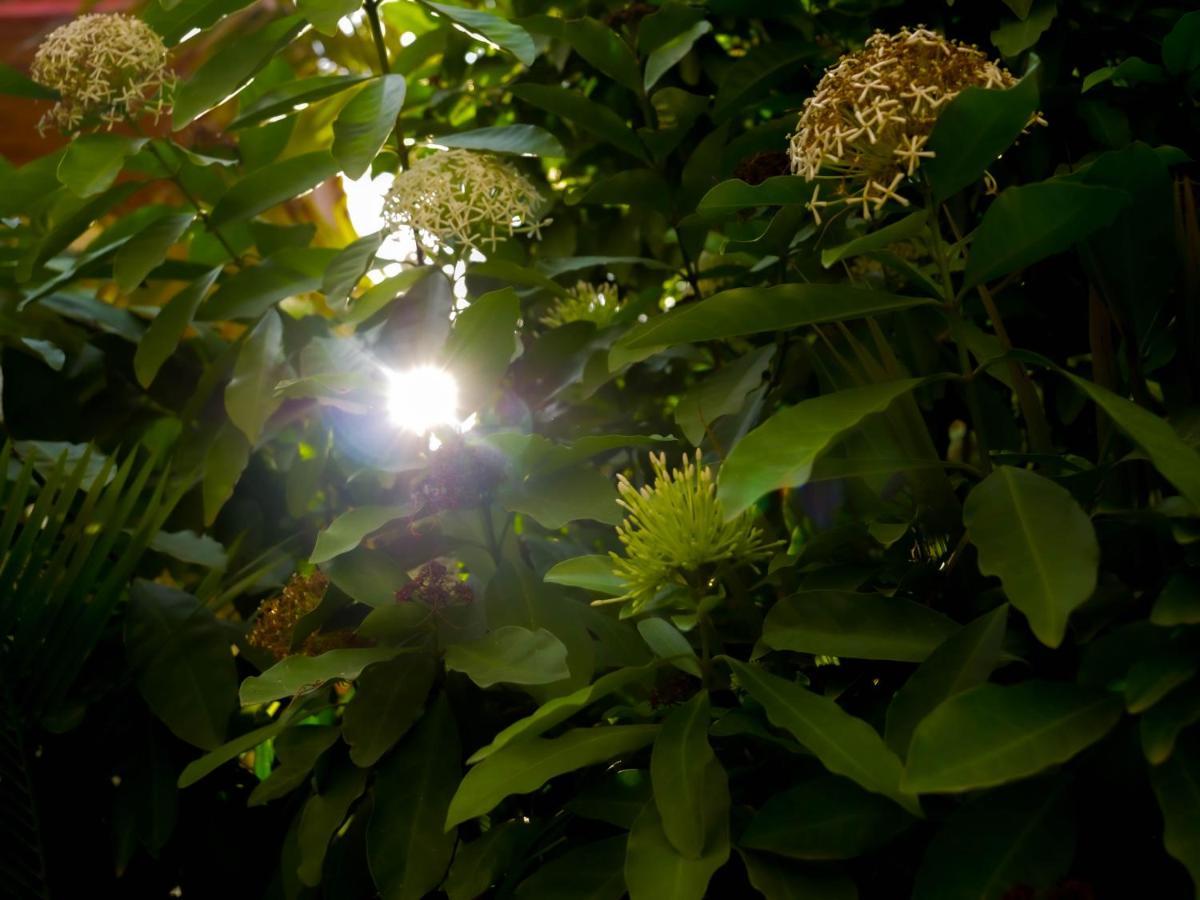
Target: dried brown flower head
[
  {"x": 464, "y": 199},
  {"x": 275, "y": 625},
  {"x": 436, "y": 587},
  {"x": 758, "y": 167},
  {"x": 458, "y": 475},
  {"x": 107, "y": 68},
  {"x": 868, "y": 122}
]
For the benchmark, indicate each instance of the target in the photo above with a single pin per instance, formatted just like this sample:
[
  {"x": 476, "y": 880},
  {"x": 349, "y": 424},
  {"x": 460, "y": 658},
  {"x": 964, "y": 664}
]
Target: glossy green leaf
[
  {"x": 293, "y": 96},
  {"x": 778, "y": 879},
  {"x": 407, "y": 848},
  {"x": 781, "y": 452},
  {"x": 555, "y": 712},
  {"x": 1014, "y": 38},
  {"x": 363, "y": 125},
  {"x": 824, "y": 818},
  {"x": 525, "y": 766},
  {"x": 1029, "y": 223},
  {"x": 388, "y": 697},
  {"x": 1176, "y": 783},
  {"x": 965, "y": 659},
  {"x": 349, "y": 266},
  {"x": 592, "y": 573},
  {"x": 990, "y": 734},
  {"x": 763, "y": 66},
  {"x": 297, "y": 750},
  {"x": 14, "y": 84},
  {"x": 1179, "y": 48},
  {"x": 669, "y": 643},
  {"x": 591, "y": 871},
  {"x": 1033, "y": 535},
  {"x": 604, "y": 49},
  {"x": 250, "y": 394},
  {"x": 181, "y": 654},
  {"x": 664, "y": 58},
  {"x": 1017, "y": 838},
  {"x": 145, "y": 251},
  {"x": 92, "y": 162},
  {"x": 325, "y": 14},
  {"x": 348, "y": 530},
  {"x": 491, "y": 29},
  {"x": 297, "y": 674},
  {"x": 778, "y": 190},
  {"x": 480, "y": 863},
  {"x": 844, "y": 744},
  {"x": 877, "y": 238},
  {"x": 618, "y": 798},
  {"x": 210, "y": 762},
  {"x": 272, "y": 185},
  {"x": 855, "y": 625},
  {"x": 165, "y": 332},
  {"x": 654, "y": 869},
  {"x": 587, "y": 114},
  {"x": 255, "y": 289},
  {"x": 691, "y": 789},
  {"x": 1179, "y": 601},
  {"x": 228, "y": 69},
  {"x": 510, "y": 654},
  {"x": 517, "y": 140},
  {"x": 567, "y": 495},
  {"x": 1151, "y": 679},
  {"x": 187, "y": 546},
  {"x": 323, "y": 815},
  {"x": 722, "y": 393},
  {"x": 973, "y": 130},
  {"x": 1162, "y": 724}
]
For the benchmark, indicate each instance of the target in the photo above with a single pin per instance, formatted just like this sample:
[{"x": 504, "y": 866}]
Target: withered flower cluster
[
  {"x": 275, "y": 625},
  {"x": 436, "y": 587}
]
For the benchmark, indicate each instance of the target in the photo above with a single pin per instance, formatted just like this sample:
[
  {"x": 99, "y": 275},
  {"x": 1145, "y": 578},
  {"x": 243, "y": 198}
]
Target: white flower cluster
[
  {"x": 107, "y": 68},
  {"x": 869, "y": 121},
  {"x": 464, "y": 199}
]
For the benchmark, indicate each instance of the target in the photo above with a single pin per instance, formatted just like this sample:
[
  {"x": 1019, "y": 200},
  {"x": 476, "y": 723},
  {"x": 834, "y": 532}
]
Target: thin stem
[
  {"x": 192, "y": 199},
  {"x": 385, "y": 68}
]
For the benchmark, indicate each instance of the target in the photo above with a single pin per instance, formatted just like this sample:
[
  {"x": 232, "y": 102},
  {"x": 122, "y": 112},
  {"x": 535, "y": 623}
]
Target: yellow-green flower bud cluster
[{"x": 585, "y": 302}]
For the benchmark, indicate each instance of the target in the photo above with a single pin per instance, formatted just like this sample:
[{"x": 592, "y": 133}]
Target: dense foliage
[{"x": 820, "y": 535}]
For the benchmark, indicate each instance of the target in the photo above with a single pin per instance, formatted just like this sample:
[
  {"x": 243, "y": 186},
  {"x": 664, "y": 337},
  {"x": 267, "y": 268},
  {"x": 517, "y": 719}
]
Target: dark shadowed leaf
[
  {"x": 388, "y": 698},
  {"x": 512, "y": 655}
]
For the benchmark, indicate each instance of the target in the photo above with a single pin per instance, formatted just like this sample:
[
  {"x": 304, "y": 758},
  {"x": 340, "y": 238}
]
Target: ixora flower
[
  {"x": 595, "y": 303},
  {"x": 869, "y": 121},
  {"x": 107, "y": 68},
  {"x": 463, "y": 198},
  {"x": 675, "y": 531},
  {"x": 437, "y": 587},
  {"x": 275, "y": 624}
]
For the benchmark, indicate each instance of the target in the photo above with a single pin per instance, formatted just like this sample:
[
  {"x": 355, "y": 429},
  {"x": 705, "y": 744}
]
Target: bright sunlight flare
[{"x": 421, "y": 398}]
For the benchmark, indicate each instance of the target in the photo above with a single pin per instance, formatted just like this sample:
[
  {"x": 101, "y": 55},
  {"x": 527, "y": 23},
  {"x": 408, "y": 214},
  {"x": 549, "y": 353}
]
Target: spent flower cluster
[
  {"x": 595, "y": 303},
  {"x": 275, "y": 625},
  {"x": 676, "y": 528},
  {"x": 107, "y": 68},
  {"x": 464, "y": 199},
  {"x": 437, "y": 587},
  {"x": 868, "y": 123}
]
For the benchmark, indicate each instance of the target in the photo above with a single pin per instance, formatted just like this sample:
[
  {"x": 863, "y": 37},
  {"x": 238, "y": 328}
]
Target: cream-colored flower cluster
[
  {"x": 869, "y": 121},
  {"x": 595, "y": 303},
  {"x": 676, "y": 530},
  {"x": 107, "y": 68},
  {"x": 464, "y": 199}
]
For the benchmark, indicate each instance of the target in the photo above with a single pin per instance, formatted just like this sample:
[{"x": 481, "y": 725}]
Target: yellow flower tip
[
  {"x": 463, "y": 198},
  {"x": 595, "y": 303},
  {"x": 107, "y": 68},
  {"x": 868, "y": 122}
]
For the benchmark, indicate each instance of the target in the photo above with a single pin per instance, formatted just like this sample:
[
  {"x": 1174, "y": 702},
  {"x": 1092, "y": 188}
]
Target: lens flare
[{"x": 422, "y": 398}]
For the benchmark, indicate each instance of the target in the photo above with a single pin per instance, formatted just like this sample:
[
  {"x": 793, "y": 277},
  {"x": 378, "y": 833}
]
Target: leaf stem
[{"x": 234, "y": 257}]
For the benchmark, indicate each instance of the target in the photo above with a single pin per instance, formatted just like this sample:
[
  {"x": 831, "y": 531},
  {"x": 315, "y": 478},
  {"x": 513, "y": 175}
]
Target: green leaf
[
  {"x": 592, "y": 573},
  {"x": 407, "y": 847},
  {"x": 591, "y": 871},
  {"x": 1014, "y": 38},
  {"x": 1180, "y": 55},
  {"x": 589, "y": 115},
  {"x": 665, "y": 57},
  {"x": 224, "y": 463},
  {"x": 777, "y": 879},
  {"x": 1018, "y": 838},
  {"x": 228, "y": 69},
  {"x": 877, "y": 239},
  {"x": 618, "y": 798},
  {"x": 14, "y": 84},
  {"x": 1178, "y": 462},
  {"x": 189, "y": 547},
  {"x": 754, "y": 74},
  {"x": 722, "y": 393},
  {"x": 839, "y": 821},
  {"x": 92, "y": 162},
  {"x": 292, "y": 96},
  {"x": 250, "y": 394},
  {"x": 603, "y": 48},
  {"x": 363, "y": 125},
  {"x": 973, "y": 130},
  {"x": 1026, "y": 224},
  {"x": 145, "y": 251},
  {"x": 1176, "y": 783},
  {"x": 325, "y": 14},
  {"x": 780, "y": 453},
  {"x": 991, "y": 734},
  {"x": 252, "y": 291},
  {"x": 962, "y": 661},
  {"x": 1019, "y": 7},
  {"x": 298, "y": 674},
  {"x": 297, "y": 750},
  {"x": 518, "y": 140},
  {"x": 349, "y": 267},
  {"x": 654, "y": 869},
  {"x": 272, "y": 185},
  {"x": 735, "y": 195},
  {"x": 482, "y": 343},
  {"x": 1034, "y": 536},
  {"x": 526, "y": 765},
  {"x": 323, "y": 815},
  {"x": 348, "y": 530},
  {"x": 691, "y": 789},
  {"x": 212, "y": 761},
  {"x": 388, "y": 698},
  {"x": 491, "y": 29},
  {"x": 181, "y": 655},
  {"x": 478, "y": 864},
  {"x": 1162, "y": 724},
  {"x": 1151, "y": 679},
  {"x": 177, "y": 18},
  {"x": 742, "y": 311},
  {"x": 510, "y": 654},
  {"x": 558, "y": 710},
  {"x": 567, "y": 495},
  {"x": 855, "y": 625},
  {"x": 844, "y": 744},
  {"x": 165, "y": 332},
  {"x": 668, "y": 643}
]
